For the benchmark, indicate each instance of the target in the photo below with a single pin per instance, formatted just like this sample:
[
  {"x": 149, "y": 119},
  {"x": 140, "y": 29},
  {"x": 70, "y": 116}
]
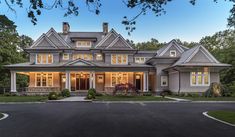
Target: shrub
[
  {"x": 53, "y": 96},
  {"x": 147, "y": 94},
  {"x": 91, "y": 93},
  {"x": 65, "y": 93},
  {"x": 9, "y": 94},
  {"x": 124, "y": 88}
]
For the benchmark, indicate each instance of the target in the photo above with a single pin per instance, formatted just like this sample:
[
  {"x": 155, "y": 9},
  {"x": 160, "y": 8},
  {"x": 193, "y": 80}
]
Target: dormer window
[
  {"x": 83, "y": 44},
  {"x": 119, "y": 59},
  {"x": 44, "y": 59},
  {"x": 172, "y": 53},
  {"x": 139, "y": 60},
  {"x": 99, "y": 56}
]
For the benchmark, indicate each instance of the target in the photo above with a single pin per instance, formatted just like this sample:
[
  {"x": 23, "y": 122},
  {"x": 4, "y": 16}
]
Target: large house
[{"x": 82, "y": 60}]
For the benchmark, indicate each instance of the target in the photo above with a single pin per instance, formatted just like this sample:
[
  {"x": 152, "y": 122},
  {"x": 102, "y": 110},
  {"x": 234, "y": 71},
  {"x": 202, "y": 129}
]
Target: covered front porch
[{"x": 81, "y": 81}]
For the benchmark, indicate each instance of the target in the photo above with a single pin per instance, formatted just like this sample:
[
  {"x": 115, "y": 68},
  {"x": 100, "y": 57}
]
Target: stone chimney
[
  {"x": 105, "y": 28},
  {"x": 66, "y": 27}
]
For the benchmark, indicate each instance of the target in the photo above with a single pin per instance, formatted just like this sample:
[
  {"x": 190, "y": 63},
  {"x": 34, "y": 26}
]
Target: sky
[{"x": 182, "y": 20}]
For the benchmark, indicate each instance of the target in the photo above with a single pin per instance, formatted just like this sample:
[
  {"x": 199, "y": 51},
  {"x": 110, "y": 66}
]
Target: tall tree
[{"x": 153, "y": 44}]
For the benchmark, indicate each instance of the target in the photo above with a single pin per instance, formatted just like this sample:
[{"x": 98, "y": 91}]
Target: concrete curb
[
  {"x": 221, "y": 121},
  {"x": 4, "y": 116},
  {"x": 21, "y": 102},
  {"x": 132, "y": 102}
]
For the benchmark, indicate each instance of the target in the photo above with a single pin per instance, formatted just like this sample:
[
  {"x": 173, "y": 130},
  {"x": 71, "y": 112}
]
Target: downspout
[{"x": 179, "y": 80}]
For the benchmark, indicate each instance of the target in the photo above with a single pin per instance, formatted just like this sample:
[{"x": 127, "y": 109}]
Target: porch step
[{"x": 78, "y": 93}]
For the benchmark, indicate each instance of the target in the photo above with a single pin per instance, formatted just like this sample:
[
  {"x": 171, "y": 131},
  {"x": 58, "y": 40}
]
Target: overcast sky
[{"x": 182, "y": 20}]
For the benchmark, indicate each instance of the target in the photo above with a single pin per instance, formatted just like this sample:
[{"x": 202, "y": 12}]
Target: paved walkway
[{"x": 72, "y": 99}]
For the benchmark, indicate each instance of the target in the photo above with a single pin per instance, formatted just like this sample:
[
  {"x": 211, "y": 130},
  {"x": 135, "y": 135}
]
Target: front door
[
  {"x": 138, "y": 81},
  {"x": 82, "y": 82}
]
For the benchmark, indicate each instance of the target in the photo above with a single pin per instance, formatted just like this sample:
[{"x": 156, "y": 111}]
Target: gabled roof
[
  {"x": 79, "y": 62},
  {"x": 172, "y": 43},
  {"x": 107, "y": 39},
  {"x": 118, "y": 43},
  {"x": 186, "y": 57},
  {"x": 43, "y": 42},
  {"x": 57, "y": 39}
]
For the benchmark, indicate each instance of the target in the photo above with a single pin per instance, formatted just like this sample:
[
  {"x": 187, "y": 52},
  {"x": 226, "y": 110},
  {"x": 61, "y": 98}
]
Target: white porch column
[
  {"x": 93, "y": 80},
  {"x": 144, "y": 82},
  {"x": 13, "y": 81},
  {"x": 68, "y": 81}
]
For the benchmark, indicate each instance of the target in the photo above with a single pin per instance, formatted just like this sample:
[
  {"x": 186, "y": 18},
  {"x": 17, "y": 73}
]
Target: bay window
[
  {"x": 119, "y": 59},
  {"x": 44, "y": 79},
  {"x": 44, "y": 59},
  {"x": 200, "y": 78}
]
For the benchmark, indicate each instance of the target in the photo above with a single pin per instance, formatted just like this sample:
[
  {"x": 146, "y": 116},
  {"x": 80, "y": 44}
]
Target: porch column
[
  {"x": 93, "y": 80},
  {"x": 147, "y": 81},
  {"x": 144, "y": 82},
  {"x": 13, "y": 81},
  {"x": 68, "y": 81}
]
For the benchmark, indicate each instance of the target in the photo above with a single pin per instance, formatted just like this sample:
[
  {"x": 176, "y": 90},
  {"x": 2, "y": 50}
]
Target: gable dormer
[
  {"x": 43, "y": 42},
  {"x": 107, "y": 39},
  {"x": 119, "y": 43},
  {"x": 172, "y": 49}
]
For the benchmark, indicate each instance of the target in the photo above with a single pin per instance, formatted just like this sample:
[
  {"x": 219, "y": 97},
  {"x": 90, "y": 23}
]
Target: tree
[
  {"x": 71, "y": 7},
  {"x": 153, "y": 44},
  {"x": 10, "y": 43}
]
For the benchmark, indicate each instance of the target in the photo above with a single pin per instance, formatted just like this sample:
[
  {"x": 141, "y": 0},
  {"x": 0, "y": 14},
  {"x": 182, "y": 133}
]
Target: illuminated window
[
  {"x": 83, "y": 44},
  {"x": 200, "y": 78},
  {"x": 65, "y": 56},
  {"x": 172, "y": 53},
  {"x": 119, "y": 78},
  {"x": 44, "y": 79},
  {"x": 119, "y": 59},
  {"x": 139, "y": 60},
  {"x": 44, "y": 59},
  {"x": 83, "y": 56},
  {"x": 99, "y": 57}
]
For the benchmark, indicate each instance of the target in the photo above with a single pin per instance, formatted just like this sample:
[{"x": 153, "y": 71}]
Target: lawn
[
  {"x": 228, "y": 116},
  {"x": 1, "y": 115},
  {"x": 23, "y": 98},
  {"x": 129, "y": 98},
  {"x": 207, "y": 98}
]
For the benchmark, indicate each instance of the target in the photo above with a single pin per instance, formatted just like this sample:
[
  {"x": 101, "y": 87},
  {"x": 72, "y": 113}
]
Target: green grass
[
  {"x": 207, "y": 98},
  {"x": 129, "y": 98},
  {"x": 228, "y": 116},
  {"x": 1, "y": 115},
  {"x": 23, "y": 98}
]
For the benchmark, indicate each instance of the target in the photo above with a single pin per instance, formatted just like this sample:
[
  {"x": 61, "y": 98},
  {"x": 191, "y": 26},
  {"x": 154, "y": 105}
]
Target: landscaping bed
[
  {"x": 23, "y": 98},
  {"x": 224, "y": 115},
  {"x": 129, "y": 98}
]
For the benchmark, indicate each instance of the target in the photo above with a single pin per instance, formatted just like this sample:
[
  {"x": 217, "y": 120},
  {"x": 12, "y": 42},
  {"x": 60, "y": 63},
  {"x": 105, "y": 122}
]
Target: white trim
[
  {"x": 199, "y": 85},
  {"x": 121, "y": 59},
  {"x": 52, "y": 84},
  {"x": 116, "y": 40},
  {"x": 192, "y": 55},
  {"x": 213, "y": 58},
  {"x": 64, "y": 54},
  {"x": 112, "y": 31},
  {"x": 4, "y": 116},
  {"x": 52, "y": 30},
  {"x": 173, "y": 51},
  {"x": 40, "y": 40},
  {"x": 83, "y": 46},
  {"x": 170, "y": 45},
  {"x": 52, "y": 56},
  {"x": 140, "y": 59},
  {"x": 224, "y": 122}
]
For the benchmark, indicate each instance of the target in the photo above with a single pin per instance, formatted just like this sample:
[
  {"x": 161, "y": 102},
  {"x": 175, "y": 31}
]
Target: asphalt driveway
[{"x": 113, "y": 120}]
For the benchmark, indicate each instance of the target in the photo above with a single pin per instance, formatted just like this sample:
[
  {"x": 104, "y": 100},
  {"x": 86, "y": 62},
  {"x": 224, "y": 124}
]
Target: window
[
  {"x": 119, "y": 59},
  {"x": 99, "y": 57},
  {"x": 44, "y": 79},
  {"x": 44, "y": 59},
  {"x": 200, "y": 79},
  {"x": 172, "y": 53},
  {"x": 139, "y": 60},
  {"x": 83, "y": 56},
  {"x": 119, "y": 78},
  {"x": 65, "y": 56},
  {"x": 164, "y": 81},
  {"x": 83, "y": 44}
]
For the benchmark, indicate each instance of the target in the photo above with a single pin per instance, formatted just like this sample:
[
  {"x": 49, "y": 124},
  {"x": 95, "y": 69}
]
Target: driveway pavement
[{"x": 80, "y": 119}]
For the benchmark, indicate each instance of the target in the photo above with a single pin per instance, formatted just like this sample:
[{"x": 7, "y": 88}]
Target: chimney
[
  {"x": 105, "y": 28},
  {"x": 66, "y": 27}
]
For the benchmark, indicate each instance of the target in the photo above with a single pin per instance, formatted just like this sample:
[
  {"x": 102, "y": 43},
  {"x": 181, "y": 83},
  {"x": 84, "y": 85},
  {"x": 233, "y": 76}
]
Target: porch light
[{"x": 63, "y": 79}]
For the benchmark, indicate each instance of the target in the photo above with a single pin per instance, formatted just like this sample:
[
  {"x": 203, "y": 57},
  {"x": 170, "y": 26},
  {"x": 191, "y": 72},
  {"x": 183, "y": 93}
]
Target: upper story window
[
  {"x": 172, "y": 53},
  {"x": 83, "y": 56},
  {"x": 65, "y": 56},
  {"x": 119, "y": 59},
  {"x": 200, "y": 78},
  {"x": 139, "y": 60},
  {"x": 83, "y": 44},
  {"x": 98, "y": 56},
  {"x": 44, "y": 59}
]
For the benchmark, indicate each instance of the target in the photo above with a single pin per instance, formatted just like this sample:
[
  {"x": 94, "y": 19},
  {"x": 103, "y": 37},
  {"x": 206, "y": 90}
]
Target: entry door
[
  {"x": 138, "y": 81},
  {"x": 82, "y": 82}
]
